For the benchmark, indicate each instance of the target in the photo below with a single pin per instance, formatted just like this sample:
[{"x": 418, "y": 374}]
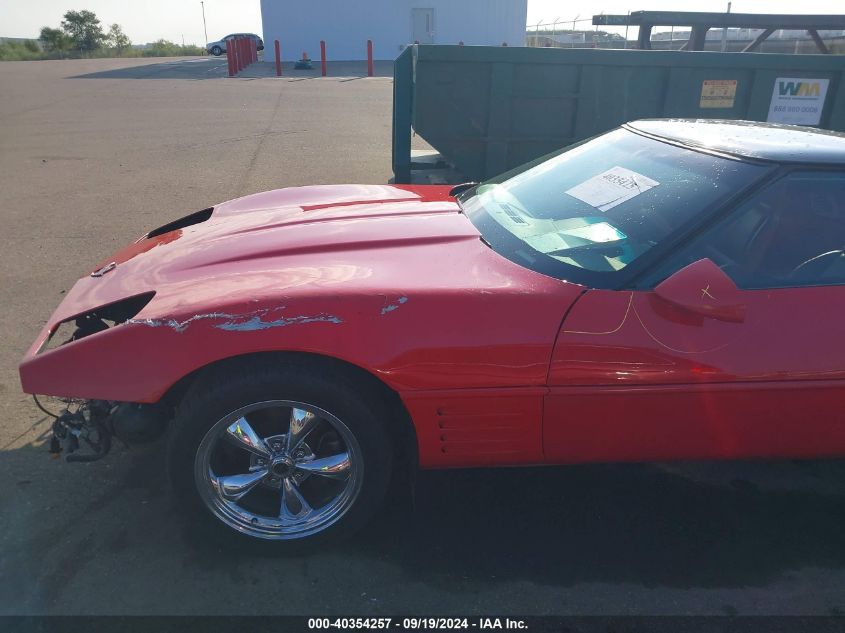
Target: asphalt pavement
[{"x": 95, "y": 152}]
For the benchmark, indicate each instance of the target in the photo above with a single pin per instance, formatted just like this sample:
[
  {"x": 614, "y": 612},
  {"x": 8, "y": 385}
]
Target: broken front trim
[{"x": 96, "y": 320}]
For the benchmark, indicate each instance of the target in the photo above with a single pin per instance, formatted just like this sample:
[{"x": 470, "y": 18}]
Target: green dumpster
[{"x": 489, "y": 109}]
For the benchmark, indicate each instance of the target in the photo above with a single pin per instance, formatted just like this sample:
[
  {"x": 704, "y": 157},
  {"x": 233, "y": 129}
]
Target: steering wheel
[{"x": 822, "y": 261}]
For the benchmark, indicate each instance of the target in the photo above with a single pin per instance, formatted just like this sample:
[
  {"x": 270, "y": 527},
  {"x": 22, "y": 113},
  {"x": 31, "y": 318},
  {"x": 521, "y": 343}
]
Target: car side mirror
[{"x": 703, "y": 288}]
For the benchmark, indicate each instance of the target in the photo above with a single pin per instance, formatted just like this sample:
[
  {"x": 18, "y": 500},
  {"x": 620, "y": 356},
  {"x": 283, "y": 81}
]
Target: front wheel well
[{"x": 402, "y": 432}]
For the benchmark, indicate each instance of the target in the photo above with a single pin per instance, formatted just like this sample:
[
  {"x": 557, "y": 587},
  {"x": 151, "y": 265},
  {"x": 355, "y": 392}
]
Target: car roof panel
[{"x": 750, "y": 139}]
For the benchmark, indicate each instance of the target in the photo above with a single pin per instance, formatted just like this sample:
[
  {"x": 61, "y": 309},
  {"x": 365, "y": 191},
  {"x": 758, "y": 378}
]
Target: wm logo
[{"x": 799, "y": 89}]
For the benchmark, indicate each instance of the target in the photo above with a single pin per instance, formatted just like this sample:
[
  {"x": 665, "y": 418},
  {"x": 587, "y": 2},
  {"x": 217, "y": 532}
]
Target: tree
[
  {"x": 83, "y": 28},
  {"x": 117, "y": 39},
  {"x": 54, "y": 40}
]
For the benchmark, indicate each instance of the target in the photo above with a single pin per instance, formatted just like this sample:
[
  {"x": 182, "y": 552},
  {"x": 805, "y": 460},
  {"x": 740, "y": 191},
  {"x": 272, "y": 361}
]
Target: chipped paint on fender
[
  {"x": 181, "y": 326},
  {"x": 240, "y": 322},
  {"x": 256, "y": 323},
  {"x": 394, "y": 306}
]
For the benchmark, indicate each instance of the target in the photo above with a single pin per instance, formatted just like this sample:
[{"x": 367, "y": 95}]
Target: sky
[{"x": 149, "y": 20}]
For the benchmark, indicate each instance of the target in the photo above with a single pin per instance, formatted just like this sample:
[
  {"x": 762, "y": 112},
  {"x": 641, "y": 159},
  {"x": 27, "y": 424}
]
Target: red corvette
[{"x": 669, "y": 290}]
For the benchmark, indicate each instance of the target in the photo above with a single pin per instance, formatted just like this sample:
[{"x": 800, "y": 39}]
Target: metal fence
[{"x": 579, "y": 32}]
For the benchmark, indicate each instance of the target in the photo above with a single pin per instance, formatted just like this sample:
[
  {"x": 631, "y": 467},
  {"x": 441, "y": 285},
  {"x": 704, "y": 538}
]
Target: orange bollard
[
  {"x": 323, "y": 56},
  {"x": 278, "y": 59},
  {"x": 369, "y": 58}
]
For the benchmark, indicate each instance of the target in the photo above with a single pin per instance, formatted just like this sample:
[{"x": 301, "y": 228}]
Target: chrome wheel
[{"x": 279, "y": 469}]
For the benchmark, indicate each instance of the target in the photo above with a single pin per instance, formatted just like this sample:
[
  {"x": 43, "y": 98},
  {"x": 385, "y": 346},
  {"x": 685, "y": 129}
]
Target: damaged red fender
[{"x": 394, "y": 280}]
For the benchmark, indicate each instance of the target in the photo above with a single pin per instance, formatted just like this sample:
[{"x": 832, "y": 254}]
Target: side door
[
  {"x": 422, "y": 26},
  {"x": 733, "y": 346}
]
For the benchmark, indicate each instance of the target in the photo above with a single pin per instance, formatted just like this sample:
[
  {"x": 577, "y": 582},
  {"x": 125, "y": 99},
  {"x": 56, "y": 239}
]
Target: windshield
[{"x": 591, "y": 212}]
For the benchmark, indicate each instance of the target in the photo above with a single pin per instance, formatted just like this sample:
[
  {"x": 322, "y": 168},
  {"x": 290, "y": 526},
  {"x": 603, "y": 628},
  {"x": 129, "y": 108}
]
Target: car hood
[
  {"x": 306, "y": 236},
  {"x": 393, "y": 279}
]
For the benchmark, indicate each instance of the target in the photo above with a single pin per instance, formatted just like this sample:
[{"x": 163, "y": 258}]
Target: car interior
[{"x": 791, "y": 234}]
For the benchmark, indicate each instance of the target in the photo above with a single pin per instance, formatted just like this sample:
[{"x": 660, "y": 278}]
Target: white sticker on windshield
[{"x": 611, "y": 188}]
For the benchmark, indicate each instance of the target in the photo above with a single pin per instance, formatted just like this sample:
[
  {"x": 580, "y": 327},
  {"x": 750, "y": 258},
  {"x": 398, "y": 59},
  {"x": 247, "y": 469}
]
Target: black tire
[
  {"x": 216, "y": 51},
  {"x": 220, "y": 391}
]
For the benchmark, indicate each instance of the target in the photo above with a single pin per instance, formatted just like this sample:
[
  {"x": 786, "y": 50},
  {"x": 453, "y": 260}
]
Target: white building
[{"x": 346, "y": 25}]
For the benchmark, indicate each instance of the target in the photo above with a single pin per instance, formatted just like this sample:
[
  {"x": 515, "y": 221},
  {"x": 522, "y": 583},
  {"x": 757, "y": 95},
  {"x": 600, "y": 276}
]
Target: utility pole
[
  {"x": 204, "y": 28},
  {"x": 725, "y": 33},
  {"x": 596, "y": 36},
  {"x": 626, "y": 29}
]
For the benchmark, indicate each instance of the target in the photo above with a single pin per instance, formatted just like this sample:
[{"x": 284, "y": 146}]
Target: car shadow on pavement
[
  {"x": 190, "y": 68},
  {"x": 464, "y": 530},
  {"x": 639, "y": 523},
  {"x": 606, "y": 523}
]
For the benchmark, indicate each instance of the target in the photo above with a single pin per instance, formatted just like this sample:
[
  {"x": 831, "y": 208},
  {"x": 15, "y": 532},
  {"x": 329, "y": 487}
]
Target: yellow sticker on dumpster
[{"x": 718, "y": 93}]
